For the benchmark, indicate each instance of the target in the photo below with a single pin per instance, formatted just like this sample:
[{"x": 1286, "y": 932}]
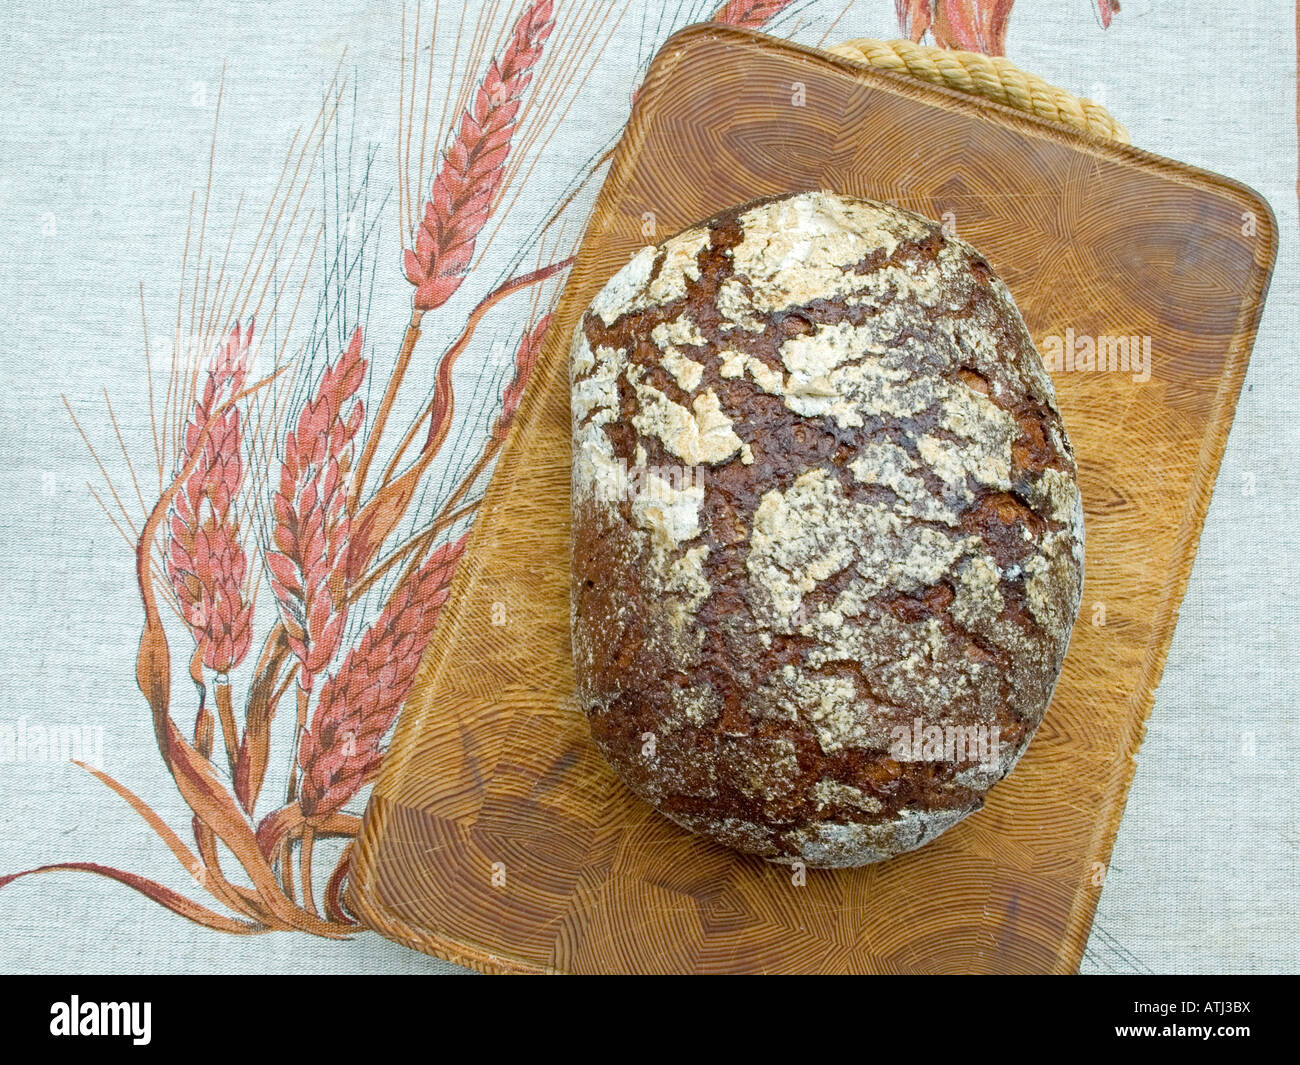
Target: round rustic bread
[{"x": 827, "y": 532}]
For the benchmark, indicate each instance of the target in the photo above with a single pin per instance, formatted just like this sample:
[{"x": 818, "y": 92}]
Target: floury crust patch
[
  {"x": 882, "y": 522},
  {"x": 120, "y": 1019}
]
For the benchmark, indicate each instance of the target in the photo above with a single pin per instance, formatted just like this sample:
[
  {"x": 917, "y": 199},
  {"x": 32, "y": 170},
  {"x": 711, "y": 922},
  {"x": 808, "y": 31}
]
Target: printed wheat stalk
[
  {"x": 312, "y": 524},
  {"x": 749, "y": 14},
  {"x": 358, "y": 704},
  {"x": 914, "y": 17},
  {"x": 310, "y": 572},
  {"x": 340, "y": 751},
  {"x": 525, "y": 359},
  {"x": 973, "y": 25},
  {"x": 198, "y": 784},
  {"x": 206, "y": 562},
  {"x": 462, "y": 198},
  {"x": 970, "y": 25}
]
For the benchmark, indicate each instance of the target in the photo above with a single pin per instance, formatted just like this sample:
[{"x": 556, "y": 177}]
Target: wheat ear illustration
[
  {"x": 750, "y": 14},
  {"x": 970, "y": 25},
  {"x": 474, "y": 165},
  {"x": 309, "y": 568},
  {"x": 462, "y": 196},
  {"x": 206, "y": 562},
  {"x": 525, "y": 359},
  {"x": 311, "y": 521},
  {"x": 260, "y": 454},
  {"x": 359, "y": 703}
]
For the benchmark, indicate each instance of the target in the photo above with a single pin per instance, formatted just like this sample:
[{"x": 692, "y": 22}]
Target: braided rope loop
[{"x": 990, "y": 77}]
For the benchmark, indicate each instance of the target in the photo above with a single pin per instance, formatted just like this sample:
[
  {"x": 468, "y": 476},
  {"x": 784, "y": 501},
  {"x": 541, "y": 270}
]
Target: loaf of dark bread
[{"x": 827, "y": 532}]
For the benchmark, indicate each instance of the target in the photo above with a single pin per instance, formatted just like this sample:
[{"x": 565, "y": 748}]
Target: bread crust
[{"x": 823, "y": 500}]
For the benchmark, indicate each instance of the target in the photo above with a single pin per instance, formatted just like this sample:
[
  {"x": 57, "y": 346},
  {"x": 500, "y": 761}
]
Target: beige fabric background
[{"x": 107, "y": 116}]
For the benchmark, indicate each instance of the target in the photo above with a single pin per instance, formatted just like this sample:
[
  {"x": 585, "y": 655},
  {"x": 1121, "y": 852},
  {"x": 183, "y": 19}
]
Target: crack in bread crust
[{"x": 881, "y": 524}]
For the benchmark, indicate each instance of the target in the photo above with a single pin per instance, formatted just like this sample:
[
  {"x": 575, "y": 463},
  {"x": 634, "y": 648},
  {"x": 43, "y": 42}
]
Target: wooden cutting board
[{"x": 497, "y": 838}]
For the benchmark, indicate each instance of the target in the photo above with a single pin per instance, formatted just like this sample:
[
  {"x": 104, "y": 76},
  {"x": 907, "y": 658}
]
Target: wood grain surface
[{"x": 497, "y": 838}]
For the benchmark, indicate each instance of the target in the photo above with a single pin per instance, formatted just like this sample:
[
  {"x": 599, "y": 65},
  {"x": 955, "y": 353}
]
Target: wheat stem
[
  {"x": 357, "y": 705},
  {"x": 226, "y": 714},
  {"x": 304, "y": 862},
  {"x": 203, "y": 725},
  {"x": 442, "y": 390},
  {"x": 239, "y": 899},
  {"x": 409, "y": 341},
  {"x": 286, "y": 870},
  {"x": 304, "y": 697},
  {"x": 423, "y": 540}
]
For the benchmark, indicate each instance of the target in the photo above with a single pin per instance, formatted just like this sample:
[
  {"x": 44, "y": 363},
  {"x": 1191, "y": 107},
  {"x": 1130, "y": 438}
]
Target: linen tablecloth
[{"x": 173, "y": 170}]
